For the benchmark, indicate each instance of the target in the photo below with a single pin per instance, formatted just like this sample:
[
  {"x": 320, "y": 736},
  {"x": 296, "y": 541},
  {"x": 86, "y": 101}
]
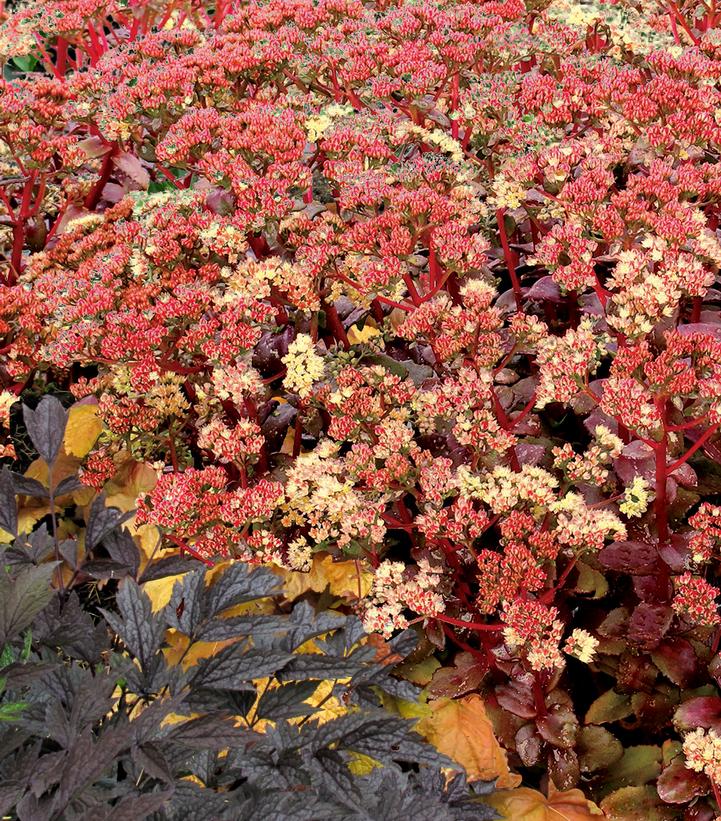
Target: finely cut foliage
[{"x": 414, "y": 303}]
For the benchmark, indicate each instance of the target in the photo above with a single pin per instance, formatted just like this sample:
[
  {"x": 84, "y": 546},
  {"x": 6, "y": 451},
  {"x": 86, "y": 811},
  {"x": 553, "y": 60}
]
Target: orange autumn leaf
[
  {"x": 523, "y": 804},
  {"x": 461, "y": 729}
]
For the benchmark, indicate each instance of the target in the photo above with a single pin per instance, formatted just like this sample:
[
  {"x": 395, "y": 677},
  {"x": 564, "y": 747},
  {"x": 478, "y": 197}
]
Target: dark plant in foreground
[{"x": 98, "y": 723}]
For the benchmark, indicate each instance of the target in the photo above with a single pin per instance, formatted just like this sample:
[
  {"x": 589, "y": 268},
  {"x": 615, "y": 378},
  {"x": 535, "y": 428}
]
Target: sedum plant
[{"x": 427, "y": 288}]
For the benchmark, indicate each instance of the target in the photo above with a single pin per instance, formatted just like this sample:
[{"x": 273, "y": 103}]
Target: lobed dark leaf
[
  {"x": 286, "y": 701},
  {"x": 233, "y": 668},
  {"x": 140, "y": 629}
]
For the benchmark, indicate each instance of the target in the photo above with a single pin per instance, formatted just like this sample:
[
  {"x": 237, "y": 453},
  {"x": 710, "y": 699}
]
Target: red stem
[
  {"x": 699, "y": 443},
  {"x": 662, "y": 471},
  {"x": 510, "y": 258},
  {"x": 186, "y": 548},
  {"x": 93, "y": 197}
]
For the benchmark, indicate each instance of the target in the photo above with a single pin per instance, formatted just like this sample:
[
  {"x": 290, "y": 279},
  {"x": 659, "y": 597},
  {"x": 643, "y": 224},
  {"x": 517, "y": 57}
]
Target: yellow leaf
[
  {"x": 524, "y": 804},
  {"x": 362, "y": 764},
  {"x": 83, "y": 428},
  {"x": 406, "y": 709},
  {"x": 177, "y": 651},
  {"x": 288, "y": 441},
  {"x": 347, "y": 579},
  {"x": 132, "y": 479},
  {"x": 356, "y": 335},
  {"x": 460, "y": 729},
  {"x": 63, "y": 467},
  {"x": 160, "y": 590}
]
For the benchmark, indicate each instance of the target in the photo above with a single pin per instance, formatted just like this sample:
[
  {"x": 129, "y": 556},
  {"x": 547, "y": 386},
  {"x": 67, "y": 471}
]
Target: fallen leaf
[
  {"x": 160, "y": 590},
  {"x": 347, "y": 579},
  {"x": 461, "y": 729},
  {"x": 524, "y": 804}
]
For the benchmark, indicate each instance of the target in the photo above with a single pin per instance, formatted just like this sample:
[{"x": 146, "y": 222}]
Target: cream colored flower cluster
[
  {"x": 304, "y": 366},
  {"x": 395, "y": 590}
]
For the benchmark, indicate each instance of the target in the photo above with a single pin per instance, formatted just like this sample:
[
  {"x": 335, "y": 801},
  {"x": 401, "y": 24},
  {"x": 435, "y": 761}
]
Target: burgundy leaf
[
  {"x": 649, "y": 623},
  {"x": 630, "y": 557},
  {"x": 677, "y": 784},
  {"x": 702, "y": 711}
]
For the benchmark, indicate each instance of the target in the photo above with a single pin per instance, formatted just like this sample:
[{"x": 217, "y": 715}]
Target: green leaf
[
  {"x": 637, "y": 767},
  {"x": 611, "y": 706},
  {"x": 12, "y": 710},
  {"x": 25, "y": 63},
  {"x": 597, "y": 748},
  {"x": 637, "y": 804}
]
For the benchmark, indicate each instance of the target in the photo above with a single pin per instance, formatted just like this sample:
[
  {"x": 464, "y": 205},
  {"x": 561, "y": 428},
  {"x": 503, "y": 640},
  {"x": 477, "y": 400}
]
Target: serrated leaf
[
  {"x": 8, "y": 503},
  {"x": 611, "y": 706},
  {"x": 379, "y": 735},
  {"x": 597, "y": 748},
  {"x": 636, "y": 804},
  {"x": 25, "y": 486},
  {"x": 123, "y": 550},
  {"x": 638, "y": 765},
  {"x": 317, "y": 667},
  {"x": 261, "y": 627},
  {"x": 167, "y": 567},
  {"x": 286, "y": 701},
  {"x": 102, "y": 520},
  {"x": 185, "y": 609},
  {"x": 46, "y": 427},
  {"x": 679, "y": 785},
  {"x": 237, "y": 584},
  {"x": 23, "y": 597},
  {"x": 209, "y": 733},
  {"x": 68, "y": 485},
  {"x": 140, "y": 630},
  {"x": 234, "y": 669},
  {"x": 677, "y": 660},
  {"x": 524, "y": 804},
  {"x": 701, "y": 711}
]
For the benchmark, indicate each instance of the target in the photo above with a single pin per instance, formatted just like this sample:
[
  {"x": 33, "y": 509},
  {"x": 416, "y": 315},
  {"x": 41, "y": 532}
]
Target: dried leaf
[
  {"x": 461, "y": 729},
  {"x": 347, "y": 579},
  {"x": 524, "y": 804}
]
